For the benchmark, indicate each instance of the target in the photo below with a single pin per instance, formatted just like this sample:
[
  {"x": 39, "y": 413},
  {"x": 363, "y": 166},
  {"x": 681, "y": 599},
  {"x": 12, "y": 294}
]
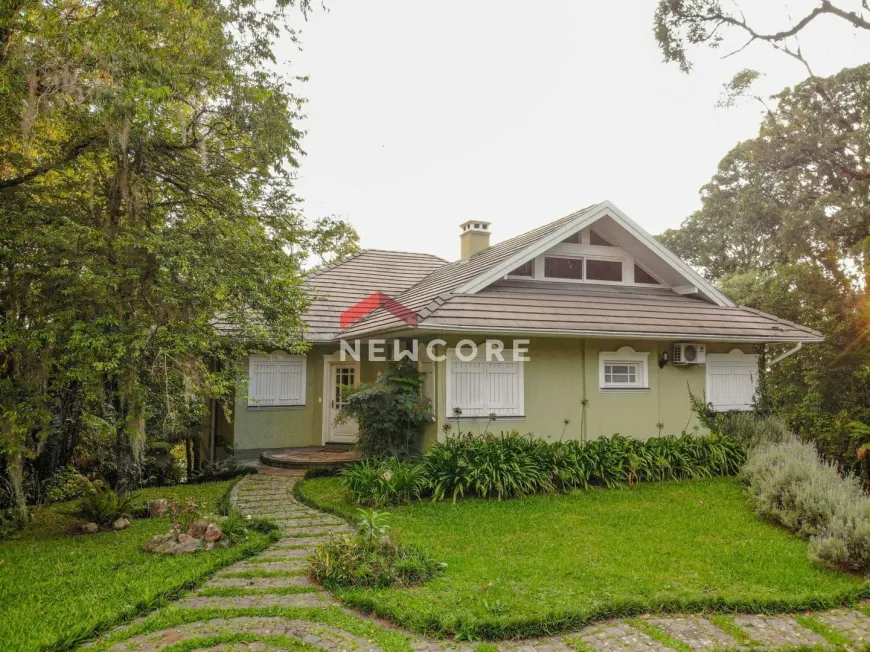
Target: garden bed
[
  {"x": 541, "y": 564},
  {"x": 58, "y": 586}
]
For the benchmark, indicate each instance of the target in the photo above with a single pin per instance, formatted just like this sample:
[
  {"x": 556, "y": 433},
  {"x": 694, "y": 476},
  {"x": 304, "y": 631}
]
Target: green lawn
[
  {"x": 58, "y": 587},
  {"x": 545, "y": 563}
]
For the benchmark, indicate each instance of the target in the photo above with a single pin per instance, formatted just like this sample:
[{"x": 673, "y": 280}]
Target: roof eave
[{"x": 446, "y": 328}]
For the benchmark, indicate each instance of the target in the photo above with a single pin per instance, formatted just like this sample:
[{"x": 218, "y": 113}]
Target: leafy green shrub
[
  {"x": 370, "y": 559},
  {"x": 101, "y": 505},
  {"x": 224, "y": 469},
  {"x": 512, "y": 465},
  {"x": 390, "y": 412},
  {"x": 66, "y": 484},
  {"x": 790, "y": 483},
  {"x": 389, "y": 482}
]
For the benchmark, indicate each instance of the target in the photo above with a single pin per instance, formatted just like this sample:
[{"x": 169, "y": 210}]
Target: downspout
[
  {"x": 583, "y": 402},
  {"x": 785, "y": 355}
]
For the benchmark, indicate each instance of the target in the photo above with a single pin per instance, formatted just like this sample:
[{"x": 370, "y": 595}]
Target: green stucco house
[{"x": 611, "y": 329}]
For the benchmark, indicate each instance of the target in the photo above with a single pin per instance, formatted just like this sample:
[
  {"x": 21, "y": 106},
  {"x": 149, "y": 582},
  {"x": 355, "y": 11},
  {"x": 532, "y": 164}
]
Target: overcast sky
[{"x": 422, "y": 115}]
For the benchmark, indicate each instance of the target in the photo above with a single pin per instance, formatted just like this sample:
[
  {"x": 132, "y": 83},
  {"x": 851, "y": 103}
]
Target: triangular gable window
[
  {"x": 643, "y": 276},
  {"x": 597, "y": 240},
  {"x": 573, "y": 239}
]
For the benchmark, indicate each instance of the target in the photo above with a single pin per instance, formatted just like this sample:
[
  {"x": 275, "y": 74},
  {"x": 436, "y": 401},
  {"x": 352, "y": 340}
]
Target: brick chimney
[{"x": 474, "y": 237}]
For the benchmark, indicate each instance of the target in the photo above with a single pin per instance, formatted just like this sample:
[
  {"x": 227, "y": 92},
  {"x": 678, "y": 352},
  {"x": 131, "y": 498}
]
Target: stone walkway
[{"x": 276, "y": 579}]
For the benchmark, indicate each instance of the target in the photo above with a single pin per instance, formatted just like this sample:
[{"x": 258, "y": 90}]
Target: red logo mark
[{"x": 371, "y": 303}]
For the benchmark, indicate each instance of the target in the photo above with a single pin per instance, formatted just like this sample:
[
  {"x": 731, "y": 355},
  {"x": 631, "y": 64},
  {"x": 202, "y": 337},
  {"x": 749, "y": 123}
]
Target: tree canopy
[
  {"x": 149, "y": 232},
  {"x": 785, "y": 227},
  {"x": 683, "y": 24}
]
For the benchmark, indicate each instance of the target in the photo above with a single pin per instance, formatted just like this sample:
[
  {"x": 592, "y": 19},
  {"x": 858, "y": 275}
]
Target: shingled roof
[
  {"x": 336, "y": 287},
  {"x": 438, "y": 292}
]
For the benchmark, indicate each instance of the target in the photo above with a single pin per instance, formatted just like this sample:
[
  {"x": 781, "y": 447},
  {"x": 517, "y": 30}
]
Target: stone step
[
  {"x": 307, "y": 541},
  {"x": 315, "y": 634},
  {"x": 258, "y": 582},
  {"x": 317, "y": 532},
  {"x": 266, "y": 566},
  {"x": 308, "y": 522},
  {"x": 255, "y": 600},
  {"x": 287, "y": 553}
]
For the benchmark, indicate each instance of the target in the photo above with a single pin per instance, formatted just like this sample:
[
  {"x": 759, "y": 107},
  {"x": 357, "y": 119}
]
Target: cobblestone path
[{"x": 236, "y": 609}]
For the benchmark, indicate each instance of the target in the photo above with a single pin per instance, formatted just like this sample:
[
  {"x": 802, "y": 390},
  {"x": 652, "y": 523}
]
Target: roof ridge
[
  {"x": 356, "y": 254},
  {"x": 335, "y": 263},
  {"x": 411, "y": 253}
]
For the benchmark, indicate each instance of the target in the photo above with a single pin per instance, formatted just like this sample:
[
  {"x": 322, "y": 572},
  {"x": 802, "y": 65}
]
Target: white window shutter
[
  {"x": 482, "y": 388},
  {"x": 276, "y": 381},
  {"x": 504, "y": 388},
  {"x": 731, "y": 381}
]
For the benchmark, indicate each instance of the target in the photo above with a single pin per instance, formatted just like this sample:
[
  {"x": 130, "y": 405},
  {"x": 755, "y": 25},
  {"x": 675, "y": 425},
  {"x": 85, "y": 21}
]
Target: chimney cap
[{"x": 475, "y": 225}]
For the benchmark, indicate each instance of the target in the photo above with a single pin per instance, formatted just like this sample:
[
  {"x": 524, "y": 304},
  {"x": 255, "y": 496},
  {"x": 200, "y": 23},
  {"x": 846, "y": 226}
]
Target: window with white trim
[
  {"x": 624, "y": 370},
  {"x": 479, "y": 387},
  {"x": 276, "y": 381}
]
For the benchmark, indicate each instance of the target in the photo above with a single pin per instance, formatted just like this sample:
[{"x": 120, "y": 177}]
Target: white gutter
[{"x": 785, "y": 355}]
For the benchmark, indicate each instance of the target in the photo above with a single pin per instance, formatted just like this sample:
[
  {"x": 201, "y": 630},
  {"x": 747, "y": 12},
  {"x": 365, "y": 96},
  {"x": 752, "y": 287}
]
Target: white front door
[{"x": 339, "y": 375}]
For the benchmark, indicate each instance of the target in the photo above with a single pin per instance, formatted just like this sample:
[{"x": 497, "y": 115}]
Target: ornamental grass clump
[{"x": 370, "y": 558}]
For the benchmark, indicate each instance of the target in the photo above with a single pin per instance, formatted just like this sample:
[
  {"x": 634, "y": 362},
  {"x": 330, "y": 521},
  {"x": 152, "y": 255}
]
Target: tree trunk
[
  {"x": 15, "y": 471},
  {"x": 130, "y": 442}
]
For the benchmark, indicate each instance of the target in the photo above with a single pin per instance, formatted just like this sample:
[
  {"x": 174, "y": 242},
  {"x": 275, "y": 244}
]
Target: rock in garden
[
  {"x": 197, "y": 528},
  {"x": 121, "y": 524},
  {"x": 189, "y": 545},
  {"x": 213, "y": 533},
  {"x": 157, "y": 508},
  {"x": 184, "y": 538},
  {"x": 90, "y": 528},
  {"x": 158, "y": 540}
]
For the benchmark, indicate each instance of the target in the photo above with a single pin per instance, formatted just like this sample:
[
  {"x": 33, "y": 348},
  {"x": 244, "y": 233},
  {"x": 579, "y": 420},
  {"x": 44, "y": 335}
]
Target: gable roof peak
[{"x": 583, "y": 218}]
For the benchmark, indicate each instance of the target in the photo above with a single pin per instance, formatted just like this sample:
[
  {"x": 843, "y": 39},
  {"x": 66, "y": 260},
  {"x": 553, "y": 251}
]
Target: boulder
[
  {"x": 158, "y": 540},
  {"x": 121, "y": 524},
  {"x": 197, "y": 528},
  {"x": 90, "y": 528},
  {"x": 213, "y": 533},
  {"x": 169, "y": 544},
  {"x": 157, "y": 508},
  {"x": 190, "y": 545}
]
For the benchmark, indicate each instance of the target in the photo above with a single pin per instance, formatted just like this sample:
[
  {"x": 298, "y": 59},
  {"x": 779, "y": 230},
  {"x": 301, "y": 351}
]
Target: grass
[
  {"x": 556, "y": 562},
  {"x": 59, "y": 587},
  {"x": 387, "y": 639}
]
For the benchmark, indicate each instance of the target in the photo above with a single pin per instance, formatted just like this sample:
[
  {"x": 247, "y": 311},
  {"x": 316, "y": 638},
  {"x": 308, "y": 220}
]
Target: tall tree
[
  {"x": 785, "y": 227},
  {"x": 683, "y": 24},
  {"x": 148, "y": 220}
]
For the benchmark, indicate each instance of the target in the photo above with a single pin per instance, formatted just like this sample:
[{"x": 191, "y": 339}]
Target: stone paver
[
  {"x": 316, "y": 634},
  {"x": 695, "y": 631},
  {"x": 256, "y": 600},
  {"x": 618, "y": 636},
  {"x": 852, "y": 624},
  {"x": 270, "y": 496},
  {"x": 219, "y": 582},
  {"x": 778, "y": 631}
]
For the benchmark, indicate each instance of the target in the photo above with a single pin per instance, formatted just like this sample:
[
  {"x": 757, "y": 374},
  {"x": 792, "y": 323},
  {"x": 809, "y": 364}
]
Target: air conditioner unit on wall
[{"x": 685, "y": 353}]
